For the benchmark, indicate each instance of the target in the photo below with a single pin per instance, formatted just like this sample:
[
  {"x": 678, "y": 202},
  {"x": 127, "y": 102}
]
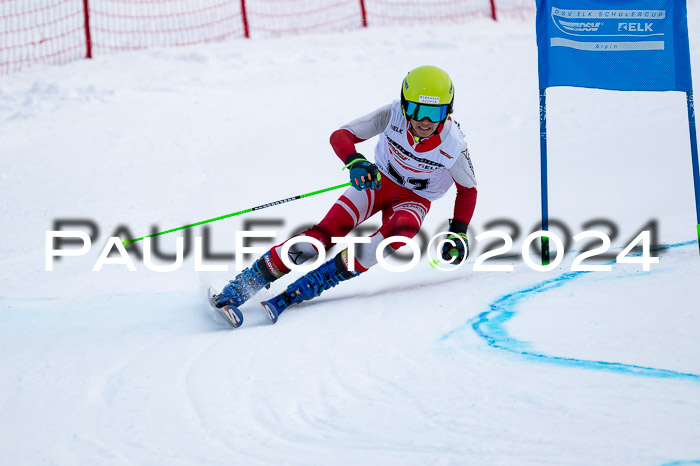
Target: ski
[{"x": 230, "y": 312}]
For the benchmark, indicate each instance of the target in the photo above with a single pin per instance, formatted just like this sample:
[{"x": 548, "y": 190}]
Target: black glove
[
  {"x": 363, "y": 173},
  {"x": 460, "y": 250}
]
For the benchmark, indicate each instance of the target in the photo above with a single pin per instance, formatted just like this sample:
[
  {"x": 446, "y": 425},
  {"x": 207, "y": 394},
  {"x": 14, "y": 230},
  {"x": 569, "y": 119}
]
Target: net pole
[{"x": 88, "y": 39}]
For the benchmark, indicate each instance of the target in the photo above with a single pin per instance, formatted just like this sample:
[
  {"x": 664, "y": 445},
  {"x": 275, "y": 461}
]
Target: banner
[{"x": 626, "y": 45}]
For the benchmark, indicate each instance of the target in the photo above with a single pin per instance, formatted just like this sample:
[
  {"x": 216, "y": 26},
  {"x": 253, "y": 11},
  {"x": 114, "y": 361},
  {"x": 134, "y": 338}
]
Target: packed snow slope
[{"x": 421, "y": 367}]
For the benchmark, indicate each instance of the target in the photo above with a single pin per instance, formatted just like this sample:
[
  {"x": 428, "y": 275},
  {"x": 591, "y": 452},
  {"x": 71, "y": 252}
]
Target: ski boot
[
  {"x": 310, "y": 285},
  {"x": 241, "y": 289}
]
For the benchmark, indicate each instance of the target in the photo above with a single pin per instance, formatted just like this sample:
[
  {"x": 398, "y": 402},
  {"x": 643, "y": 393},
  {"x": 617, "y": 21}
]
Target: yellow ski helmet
[{"x": 427, "y": 92}]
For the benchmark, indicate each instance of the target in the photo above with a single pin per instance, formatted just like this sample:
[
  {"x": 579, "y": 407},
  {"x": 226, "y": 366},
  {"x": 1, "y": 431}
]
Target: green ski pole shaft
[{"x": 127, "y": 242}]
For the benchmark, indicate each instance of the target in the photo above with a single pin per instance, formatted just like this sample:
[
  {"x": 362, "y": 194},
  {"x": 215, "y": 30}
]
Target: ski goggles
[{"x": 434, "y": 113}]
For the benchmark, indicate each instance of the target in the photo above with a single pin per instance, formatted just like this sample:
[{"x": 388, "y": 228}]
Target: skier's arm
[
  {"x": 463, "y": 175},
  {"x": 464, "y": 204},
  {"x": 344, "y": 139}
]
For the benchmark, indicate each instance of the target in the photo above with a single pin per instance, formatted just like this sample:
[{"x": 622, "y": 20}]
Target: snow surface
[{"x": 423, "y": 367}]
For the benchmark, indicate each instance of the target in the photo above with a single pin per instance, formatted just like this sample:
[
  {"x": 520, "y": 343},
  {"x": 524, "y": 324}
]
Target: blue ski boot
[
  {"x": 310, "y": 285},
  {"x": 245, "y": 285}
]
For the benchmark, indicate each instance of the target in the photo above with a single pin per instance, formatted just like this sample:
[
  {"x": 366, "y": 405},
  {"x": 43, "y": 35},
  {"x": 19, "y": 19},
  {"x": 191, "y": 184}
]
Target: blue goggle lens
[{"x": 434, "y": 113}]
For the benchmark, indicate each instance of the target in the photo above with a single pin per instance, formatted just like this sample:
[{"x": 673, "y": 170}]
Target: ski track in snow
[
  {"x": 192, "y": 406},
  {"x": 490, "y": 326}
]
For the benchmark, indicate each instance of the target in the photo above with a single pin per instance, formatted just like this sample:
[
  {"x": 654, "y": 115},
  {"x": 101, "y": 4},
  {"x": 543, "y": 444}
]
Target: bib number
[{"x": 417, "y": 184}]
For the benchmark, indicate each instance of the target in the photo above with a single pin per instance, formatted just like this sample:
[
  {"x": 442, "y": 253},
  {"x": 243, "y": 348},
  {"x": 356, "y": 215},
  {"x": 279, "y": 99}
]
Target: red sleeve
[
  {"x": 343, "y": 142},
  {"x": 464, "y": 204}
]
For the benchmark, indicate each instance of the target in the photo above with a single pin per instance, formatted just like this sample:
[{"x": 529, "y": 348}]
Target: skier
[{"x": 420, "y": 153}]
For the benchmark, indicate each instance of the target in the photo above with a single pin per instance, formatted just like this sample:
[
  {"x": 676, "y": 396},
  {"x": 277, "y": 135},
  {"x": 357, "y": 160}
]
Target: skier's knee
[{"x": 302, "y": 251}]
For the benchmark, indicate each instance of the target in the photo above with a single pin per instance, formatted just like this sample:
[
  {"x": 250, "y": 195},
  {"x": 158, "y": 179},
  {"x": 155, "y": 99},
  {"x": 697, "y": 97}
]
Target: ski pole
[{"x": 127, "y": 242}]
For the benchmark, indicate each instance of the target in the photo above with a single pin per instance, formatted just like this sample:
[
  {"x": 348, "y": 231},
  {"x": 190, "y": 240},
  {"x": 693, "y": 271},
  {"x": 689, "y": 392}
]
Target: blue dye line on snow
[{"x": 490, "y": 325}]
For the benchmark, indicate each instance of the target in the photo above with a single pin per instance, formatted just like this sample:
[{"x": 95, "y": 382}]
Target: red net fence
[{"x": 59, "y": 31}]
